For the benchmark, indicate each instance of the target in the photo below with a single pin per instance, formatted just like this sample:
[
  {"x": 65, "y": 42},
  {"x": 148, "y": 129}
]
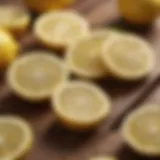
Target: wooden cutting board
[{"x": 52, "y": 141}]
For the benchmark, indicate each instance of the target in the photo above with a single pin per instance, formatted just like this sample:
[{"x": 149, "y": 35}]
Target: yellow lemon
[
  {"x": 139, "y": 12},
  {"x": 8, "y": 48},
  {"x": 43, "y": 6},
  {"x": 141, "y": 130},
  {"x": 16, "y": 137},
  {"x": 80, "y": 105}
]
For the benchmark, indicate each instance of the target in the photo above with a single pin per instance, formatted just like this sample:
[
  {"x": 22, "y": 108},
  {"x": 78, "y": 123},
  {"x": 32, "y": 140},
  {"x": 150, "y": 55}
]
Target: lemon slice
[
  {"x": 14, "y": 18},
  {"x": 80, "y": 105},
  {"x": 103, "y": 158},
  {"x": 35, "y": 75},
  {"x": 15, "y": 137},
  {"x": 128, "y": 57},
  {"x": 141, "y": 130},
  {"x": 84, "y": 57},
  {"x": 58, "y": 29},
  {"x": 9, "y": 48}
]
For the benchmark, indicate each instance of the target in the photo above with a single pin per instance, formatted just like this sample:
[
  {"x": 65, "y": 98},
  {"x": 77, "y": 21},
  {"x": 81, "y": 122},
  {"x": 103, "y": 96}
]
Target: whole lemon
[
  {"x": 46, "y": 5},
  {"x": 8, "y": 48},
  {"x": 141, "y": 12}
]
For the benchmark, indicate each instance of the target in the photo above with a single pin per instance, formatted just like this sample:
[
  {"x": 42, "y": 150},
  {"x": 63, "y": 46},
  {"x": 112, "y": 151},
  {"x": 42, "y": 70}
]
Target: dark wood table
[{"x": 53, "y": 142}]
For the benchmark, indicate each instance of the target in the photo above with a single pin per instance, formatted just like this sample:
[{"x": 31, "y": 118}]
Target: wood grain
[{"x": 54, "y": 142}]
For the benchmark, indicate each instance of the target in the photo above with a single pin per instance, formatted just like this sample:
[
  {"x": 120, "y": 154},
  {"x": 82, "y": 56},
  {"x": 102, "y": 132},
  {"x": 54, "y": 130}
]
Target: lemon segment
[
  {"x": 9, "y": 48},
  {"x": 35, "y": 75},
  {"x": 14, "y": 18},
  {"x": 141, "y": 130},
  {"x": 84, "y": 57},
  {"x": 128, "y": 57},
  {"x": 59, "y": 29},
  {"x": 103, "y": 158},
  {"x": 16, "y": 137},
  {"x": 80, "y": 105}
]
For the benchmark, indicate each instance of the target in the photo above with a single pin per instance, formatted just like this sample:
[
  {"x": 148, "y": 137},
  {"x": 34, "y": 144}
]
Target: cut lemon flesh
[
  {"x": 35, "y": 75},
  {"x": 80, "y": 105},
  {"x": 141, "y": 130},
  {"x": 103, "y": 158},
  {"x": 60, "y": 28},
  {"x": 128, "y": 57},
  {"x": 14, "y": 18},
  {"x": 15, "y": 137},
  {"x": 84, "y": 57}
]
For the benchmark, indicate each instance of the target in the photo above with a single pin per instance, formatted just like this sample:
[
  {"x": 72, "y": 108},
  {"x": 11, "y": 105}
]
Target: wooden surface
[{"x": 54, "y": 142}]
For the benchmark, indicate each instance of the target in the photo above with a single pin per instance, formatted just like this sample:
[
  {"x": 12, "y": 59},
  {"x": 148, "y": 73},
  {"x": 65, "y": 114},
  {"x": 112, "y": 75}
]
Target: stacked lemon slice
[
  {"x": 83, "y": 57},
  {"x": 121, "y": 55}
]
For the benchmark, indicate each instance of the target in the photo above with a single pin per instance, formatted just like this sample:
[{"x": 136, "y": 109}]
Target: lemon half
[
  {"x": 14, "y": 18},
  {"x": 80, "y": 105},
  {"x": 16, "y": 137},
  {"x": 59, "y": 29},
  {"x": 35, "y": 75},
  {"x": 141, "y": 130},
  {"x": 84, "y": 57},
  {"x": 128, "y": 57}
]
